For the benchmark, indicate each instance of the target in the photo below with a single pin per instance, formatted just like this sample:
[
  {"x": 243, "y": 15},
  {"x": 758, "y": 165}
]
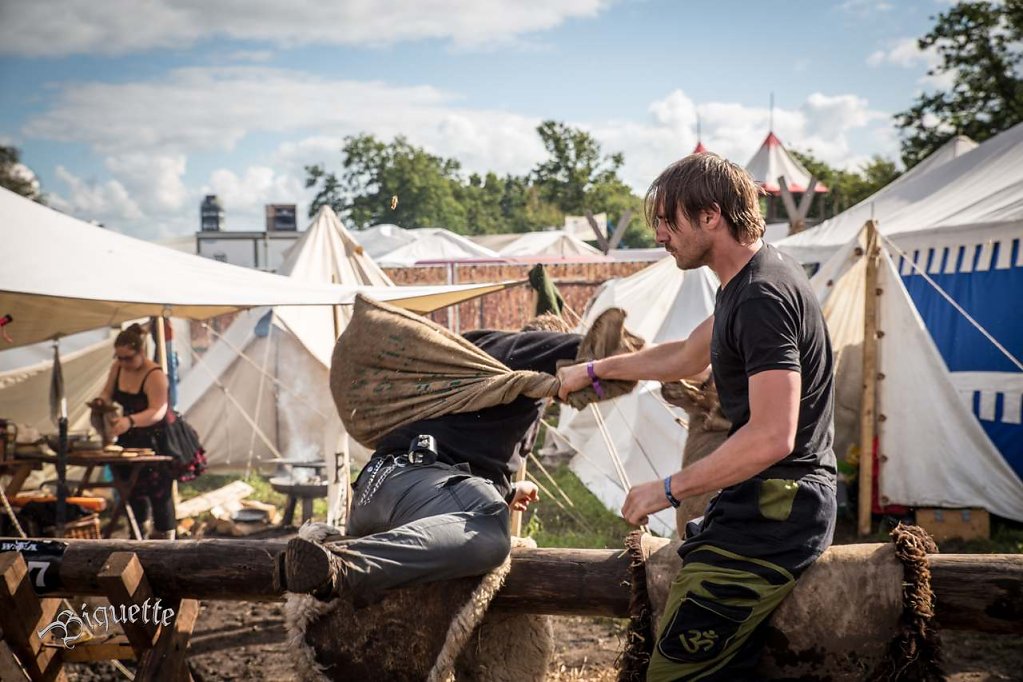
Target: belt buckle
[{"x": 402, "y": 461}]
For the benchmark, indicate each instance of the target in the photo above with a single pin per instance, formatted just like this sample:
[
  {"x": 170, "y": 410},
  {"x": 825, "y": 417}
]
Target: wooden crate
[{"x": 944, "y": 524}]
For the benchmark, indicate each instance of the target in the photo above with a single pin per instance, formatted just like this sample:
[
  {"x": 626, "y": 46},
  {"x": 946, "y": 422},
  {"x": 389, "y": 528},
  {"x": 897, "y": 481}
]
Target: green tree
[
  {"x": 374, "y": 173},
  {"x": 979, "y": 45},
  {"x": 848, "y": 188},
  {"x": 16, "y": 177}
]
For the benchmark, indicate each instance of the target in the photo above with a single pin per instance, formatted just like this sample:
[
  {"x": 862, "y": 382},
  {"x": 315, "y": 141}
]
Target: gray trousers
[{"x": 423, "y": 523}]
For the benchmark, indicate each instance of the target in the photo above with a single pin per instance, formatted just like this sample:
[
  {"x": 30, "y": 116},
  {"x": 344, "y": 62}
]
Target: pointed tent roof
[
  {"x": 699, "y": 148},
  {"x": 772, "y": 161}
]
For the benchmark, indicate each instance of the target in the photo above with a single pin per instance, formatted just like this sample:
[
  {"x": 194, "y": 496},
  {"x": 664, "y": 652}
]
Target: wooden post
[
  {"x": 515, "y": 523},
  {"x": 339, "y": 474},
  {"x": 124, "y": 583},
  {"x": 167, "y": 660},
  {"x": 161, "y": 342},
  {"x": 623, "y": 225},
  {"x": 22, "y": 616},
  {"x": 602, "y": 242},
  {"x": 869, "y": 400}
]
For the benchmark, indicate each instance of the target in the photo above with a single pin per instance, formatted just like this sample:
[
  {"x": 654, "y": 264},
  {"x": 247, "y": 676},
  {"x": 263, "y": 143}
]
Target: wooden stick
[
  {"x": 869, "y": 400},
  {"x": 23, "y": 615},
  {"x": 125, "y": 585}
]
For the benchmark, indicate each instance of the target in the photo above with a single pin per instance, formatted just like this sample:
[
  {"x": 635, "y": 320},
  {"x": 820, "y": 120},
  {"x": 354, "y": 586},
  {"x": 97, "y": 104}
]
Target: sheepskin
[{"x": 439, "y": 631}]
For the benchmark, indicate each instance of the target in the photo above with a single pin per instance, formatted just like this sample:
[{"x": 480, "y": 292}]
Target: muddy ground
[{"x": 247, "y": 641}]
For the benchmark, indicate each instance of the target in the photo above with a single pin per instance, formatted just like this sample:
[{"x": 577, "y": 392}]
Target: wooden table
[
  {"x": 19, "y": 470},
  {"x": 92, "y": 464}
]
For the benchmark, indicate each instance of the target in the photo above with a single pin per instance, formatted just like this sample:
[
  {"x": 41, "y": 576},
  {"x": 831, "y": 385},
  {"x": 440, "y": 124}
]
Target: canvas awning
[{"x": 64, "y": 276}]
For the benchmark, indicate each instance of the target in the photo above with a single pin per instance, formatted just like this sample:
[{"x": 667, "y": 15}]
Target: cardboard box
[{"x": 944, "y": 524}]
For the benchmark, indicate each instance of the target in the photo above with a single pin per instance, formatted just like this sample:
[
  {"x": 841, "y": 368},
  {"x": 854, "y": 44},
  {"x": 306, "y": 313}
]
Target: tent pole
[
  {"x": 340, "y": 512},
  {"x": 161, "y": 341},
  {"x": 869, "y": 398}
]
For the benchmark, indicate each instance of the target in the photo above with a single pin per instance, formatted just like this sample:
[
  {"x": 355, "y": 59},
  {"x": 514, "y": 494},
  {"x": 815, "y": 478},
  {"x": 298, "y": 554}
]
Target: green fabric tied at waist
[{"x": 776, "y": 498}]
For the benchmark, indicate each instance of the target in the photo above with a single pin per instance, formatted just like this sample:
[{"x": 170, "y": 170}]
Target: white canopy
[
  {"x": 663, "y": 304},
  {"x": 946, "y": 202},
  {"x": 393, "y": 246},
  {"x": 71, "y": 276},
  {"x": 772, "y": 161},
  {"x": 548, "y": 243}
]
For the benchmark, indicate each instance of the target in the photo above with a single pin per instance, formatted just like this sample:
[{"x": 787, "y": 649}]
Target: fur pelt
[{"x": 401, "y": 636}]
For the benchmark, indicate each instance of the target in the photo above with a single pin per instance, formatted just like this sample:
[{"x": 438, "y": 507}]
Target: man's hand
[
  {"x": 573, "y": 378},
  {"x": 525, "y": 492},
  {"x": 644, "y": 499}
]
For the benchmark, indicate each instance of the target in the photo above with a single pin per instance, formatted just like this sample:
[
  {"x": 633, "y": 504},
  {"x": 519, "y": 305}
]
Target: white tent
[
  {"x": 290, "y": 345},
  {"x": 548, "y": 243},
  {"x": 72, "y": 276},
  {"x": 393, "y": 246},
  {"x": 663, "y": 304},
  {"x": 817, "y": 244},
  {"x": 932, "y": 451},
  {"x": 957, "y": 226},
  {"x": 772, "y": 161}
]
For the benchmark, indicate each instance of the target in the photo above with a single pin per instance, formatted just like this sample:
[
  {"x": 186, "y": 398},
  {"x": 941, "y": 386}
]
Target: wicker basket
[{"x": 85, "y": 528}]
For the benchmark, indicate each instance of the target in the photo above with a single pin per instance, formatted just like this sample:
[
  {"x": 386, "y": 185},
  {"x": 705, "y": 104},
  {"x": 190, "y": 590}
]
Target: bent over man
[
  {"x": 770, "y": 354},
  {"x": 433, "y": 501}
]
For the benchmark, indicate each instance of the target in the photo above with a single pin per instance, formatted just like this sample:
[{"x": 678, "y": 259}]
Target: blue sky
[{"x": 130, "y": 110}]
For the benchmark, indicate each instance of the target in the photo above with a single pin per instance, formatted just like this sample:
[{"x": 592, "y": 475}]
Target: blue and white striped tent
[{"x": 953, "y": 227}]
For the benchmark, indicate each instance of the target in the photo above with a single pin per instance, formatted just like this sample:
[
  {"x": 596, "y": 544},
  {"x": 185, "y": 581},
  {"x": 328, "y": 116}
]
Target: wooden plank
[
  {"x": 869, "y": 399},
  {"x": 10, "y": 668},
  {"x": 117, "y": 648},
  {"x": 168, "y": 658},
  {"x": 124, "y": 583},
  {"x": 623, "y": 225},
  {"x": 601, "y": 238},
  {"x": 232, "y": 492},
  {"x": 23, "y": 615}
]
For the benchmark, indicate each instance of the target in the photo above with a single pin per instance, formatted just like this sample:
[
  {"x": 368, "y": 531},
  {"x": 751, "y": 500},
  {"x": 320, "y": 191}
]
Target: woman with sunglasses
[{"x": 140, "y": 387}]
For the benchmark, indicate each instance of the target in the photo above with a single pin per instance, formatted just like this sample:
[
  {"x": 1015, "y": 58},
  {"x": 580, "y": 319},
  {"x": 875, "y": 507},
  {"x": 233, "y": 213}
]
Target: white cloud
[
  {"x": 866, "y": 7},
  {"x": 104, "y": 202},
  {"x": 63, "y": 27},
  {"x": 147, "y": 132},
  {"x": 906, "y": 53}
]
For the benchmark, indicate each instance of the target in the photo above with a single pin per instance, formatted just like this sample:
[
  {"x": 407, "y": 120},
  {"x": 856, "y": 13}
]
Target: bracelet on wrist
[
  {"x": 131, "y": 422},
  {"x": 674, "y": 501},
  {"x": 597, "y": 387}
]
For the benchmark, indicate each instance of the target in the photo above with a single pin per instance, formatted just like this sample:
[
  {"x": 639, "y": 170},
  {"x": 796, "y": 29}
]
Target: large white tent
[
  {"x": 663, "y": 304},
  {"x": 932, "y": 452},
  {"x": 955, "y": 230},
  {"x": 817, "y": 244},
  {"x": 548, "y": 243},
  {"x": 269, "y": 371}
]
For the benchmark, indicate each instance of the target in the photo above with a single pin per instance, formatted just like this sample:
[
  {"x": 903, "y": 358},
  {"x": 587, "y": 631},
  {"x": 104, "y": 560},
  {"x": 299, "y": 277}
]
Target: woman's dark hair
[{"x": 131, "y": 338}]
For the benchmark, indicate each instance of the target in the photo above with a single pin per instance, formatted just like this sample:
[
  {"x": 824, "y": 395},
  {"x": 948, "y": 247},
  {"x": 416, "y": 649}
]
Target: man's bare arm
[
  {"x": 767, "y": 438},
  {"x": 662, "y": 362}
]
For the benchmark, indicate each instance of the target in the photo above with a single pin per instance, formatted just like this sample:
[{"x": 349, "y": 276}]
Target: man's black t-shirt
[
  {"x": 488, "y": 440},
  {"x": 767, "y": 317}
]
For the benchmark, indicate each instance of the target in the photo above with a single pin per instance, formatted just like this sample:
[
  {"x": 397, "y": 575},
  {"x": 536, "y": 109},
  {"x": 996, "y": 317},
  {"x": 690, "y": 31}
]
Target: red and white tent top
[
  {"x": 772, "y": 161},
  {"x": 699, "y": 148}
]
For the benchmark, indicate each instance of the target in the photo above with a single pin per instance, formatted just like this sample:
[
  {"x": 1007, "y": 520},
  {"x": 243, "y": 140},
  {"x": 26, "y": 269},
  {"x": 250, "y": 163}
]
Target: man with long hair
[{"x": 768, "y": 348}]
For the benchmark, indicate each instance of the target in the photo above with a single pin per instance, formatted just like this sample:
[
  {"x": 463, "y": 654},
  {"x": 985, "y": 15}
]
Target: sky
[{"x": 130, "y": 111}]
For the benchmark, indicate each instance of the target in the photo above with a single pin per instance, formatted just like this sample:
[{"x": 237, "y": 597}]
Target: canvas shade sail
[{"x": 74, "y": 276}]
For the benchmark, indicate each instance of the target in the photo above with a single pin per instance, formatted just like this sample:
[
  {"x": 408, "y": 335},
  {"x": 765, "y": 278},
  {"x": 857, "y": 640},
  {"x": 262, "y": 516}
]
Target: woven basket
[{"x": 85, "y": 528}]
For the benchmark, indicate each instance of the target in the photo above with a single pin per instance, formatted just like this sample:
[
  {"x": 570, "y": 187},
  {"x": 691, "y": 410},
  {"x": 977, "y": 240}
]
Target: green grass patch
[{"x": 585, "y": 524}]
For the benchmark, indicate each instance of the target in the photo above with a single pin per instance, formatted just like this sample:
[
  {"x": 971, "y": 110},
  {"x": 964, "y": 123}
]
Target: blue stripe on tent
[{"x": 992, "y": 298}]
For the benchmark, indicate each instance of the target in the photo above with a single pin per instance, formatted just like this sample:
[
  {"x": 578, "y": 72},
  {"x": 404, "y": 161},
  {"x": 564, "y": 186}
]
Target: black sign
[{"x": 43, "y": 558}]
